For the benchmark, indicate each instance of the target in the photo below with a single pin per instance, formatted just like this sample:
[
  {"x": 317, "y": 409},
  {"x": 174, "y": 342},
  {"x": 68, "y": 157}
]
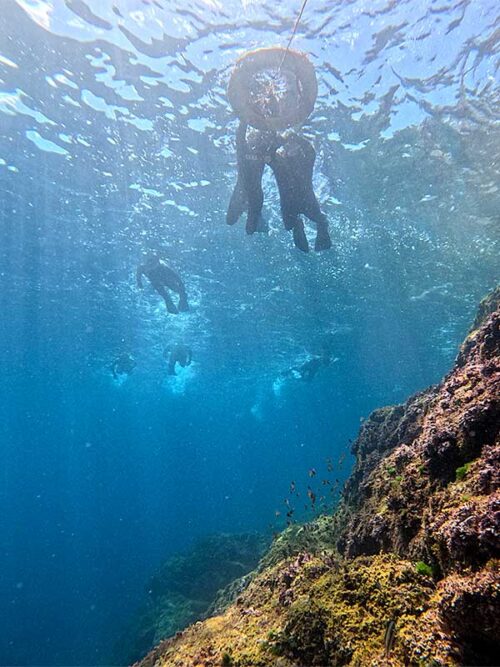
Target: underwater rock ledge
[{"x": 407, "y": 571}]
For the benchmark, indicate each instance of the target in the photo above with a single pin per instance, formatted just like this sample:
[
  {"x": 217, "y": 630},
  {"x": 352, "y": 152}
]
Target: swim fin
[
  {"x": 237, "y": 204},
  {"x": 299, "y": 237},
  {"x": 183, "y": 306},
  {"x": 323, "y": 240}
]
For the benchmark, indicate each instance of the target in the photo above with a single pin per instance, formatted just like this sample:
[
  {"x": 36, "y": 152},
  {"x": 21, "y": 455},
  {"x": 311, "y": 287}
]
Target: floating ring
[{"x": 254, "y": 100}]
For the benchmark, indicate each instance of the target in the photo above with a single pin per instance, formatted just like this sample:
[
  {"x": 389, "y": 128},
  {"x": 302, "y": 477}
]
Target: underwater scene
[{"x": 250, "y": 333}]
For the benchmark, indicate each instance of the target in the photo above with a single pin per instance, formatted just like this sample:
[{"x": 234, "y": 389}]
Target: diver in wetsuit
[
  {"x": 291, "y": 157},
  {"x": 178, "y": 354},
  {"x": 122, "y": 365},
  {"x": 163, "y": 278},
  {"x": 308, "y": 370},
  {"x": 292, "y": 165},
  {"x": 252, "y": 153}
]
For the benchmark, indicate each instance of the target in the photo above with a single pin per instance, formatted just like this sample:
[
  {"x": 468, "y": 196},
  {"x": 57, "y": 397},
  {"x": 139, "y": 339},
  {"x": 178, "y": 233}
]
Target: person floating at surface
[
  {"x": 251, "y": 156},
  {"x": 122, "y": 365},
  {"x": 291, "y": 157},
  {"x": 163, "y": 278},
  {"x": 178, "y": 354},
  {"x": 292, "y": 165}
]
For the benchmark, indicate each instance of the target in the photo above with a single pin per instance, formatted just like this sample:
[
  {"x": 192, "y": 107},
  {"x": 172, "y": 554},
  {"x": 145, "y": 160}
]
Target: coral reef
[{"x": 407, "y": 572}]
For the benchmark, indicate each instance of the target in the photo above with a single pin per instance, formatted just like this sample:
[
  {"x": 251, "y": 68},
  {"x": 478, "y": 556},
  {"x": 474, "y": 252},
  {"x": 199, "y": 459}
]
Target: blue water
[{"x": 116, "y": 138}]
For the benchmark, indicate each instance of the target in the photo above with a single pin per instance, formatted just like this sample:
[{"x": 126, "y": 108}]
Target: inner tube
[{"x": 276, "y": 112}]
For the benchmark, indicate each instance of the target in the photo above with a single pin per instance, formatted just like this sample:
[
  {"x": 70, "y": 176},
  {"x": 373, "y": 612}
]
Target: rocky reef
[{"x": 407, "y": 571}]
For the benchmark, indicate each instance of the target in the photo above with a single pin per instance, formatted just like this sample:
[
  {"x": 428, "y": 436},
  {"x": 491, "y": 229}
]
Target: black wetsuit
[
  {"x": 308, "y": 370},
  {"x": 292, "y": 166},
  {"x": 251, "y": 155},
  {"x": 180, "y": 354},
  {"x": 162, "y": 278}
]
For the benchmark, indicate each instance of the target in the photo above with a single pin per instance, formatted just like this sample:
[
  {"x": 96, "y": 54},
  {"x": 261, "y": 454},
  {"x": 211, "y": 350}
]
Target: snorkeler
[
  {"x": 291, "y": 157},
  {"x": 252, "y": 153},
  {"x": 122, "y": 365},
  {"x": 292, "y": 165},
  {"x": 309, "y": 369},
  {"x": 178, "y": 354},
  {"x": 162, "y": 278}
]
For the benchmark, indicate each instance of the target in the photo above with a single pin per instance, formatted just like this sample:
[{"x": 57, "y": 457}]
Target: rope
[{"x": 292, "y": 35}]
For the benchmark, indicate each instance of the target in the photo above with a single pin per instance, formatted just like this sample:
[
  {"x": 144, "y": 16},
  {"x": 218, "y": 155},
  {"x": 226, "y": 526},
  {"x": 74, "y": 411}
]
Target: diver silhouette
[
  {"x": 291, "y": 158},
  {"x": 308, "y": 370},
  {"x": 178, "y": 354},
  {"x": 252, "y": 152},
  {"x": 292, "y": 164},
  {"x": 163, "y": 278},
  {"x": 122, "y": 365}
]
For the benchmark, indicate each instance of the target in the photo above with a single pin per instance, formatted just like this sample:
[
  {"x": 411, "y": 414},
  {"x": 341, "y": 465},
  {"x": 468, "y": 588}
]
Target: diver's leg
[
  {"x": 237, "y": 204},
  {"x": 163, "y": 292},
  {"x": 312, "y": 210},
  {"x": 255, "y": 195},
  {"x": 323, "y": 240},
  {"x": 254, "y": 210},
  {"x": 299, "y": 236},
  {"x": 290, "y": 217}
]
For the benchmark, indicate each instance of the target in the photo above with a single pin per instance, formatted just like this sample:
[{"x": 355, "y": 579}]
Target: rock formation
[{"x": 407, "y": 572}]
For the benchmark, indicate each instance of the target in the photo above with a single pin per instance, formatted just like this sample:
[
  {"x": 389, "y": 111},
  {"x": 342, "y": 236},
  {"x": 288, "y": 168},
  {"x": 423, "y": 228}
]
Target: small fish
[
  {"x": 389, "y": 637},
  {"x": 290, "y": 513},
  {"x": 329, "y": 465},
  {"x": 292, "y": 487},
  {"x": 277, "y": 513},
  {"x": 326, "y": 482},
  {"x": 311, "y": 494},
  {"x": 312, "y": 472}
]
